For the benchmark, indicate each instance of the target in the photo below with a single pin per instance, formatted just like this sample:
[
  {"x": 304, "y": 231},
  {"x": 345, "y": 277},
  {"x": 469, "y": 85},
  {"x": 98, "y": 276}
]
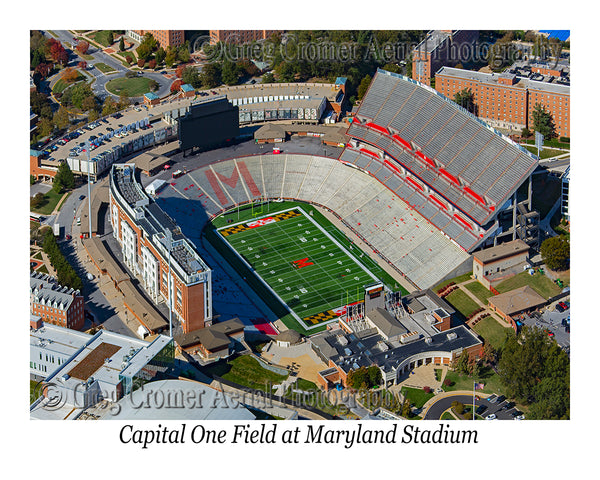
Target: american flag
[{"x": 478, "y": 386}]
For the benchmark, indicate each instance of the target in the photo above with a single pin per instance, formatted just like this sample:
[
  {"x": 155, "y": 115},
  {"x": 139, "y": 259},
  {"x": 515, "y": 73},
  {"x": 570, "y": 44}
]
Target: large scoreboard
[{"x": 208, "y": 124}]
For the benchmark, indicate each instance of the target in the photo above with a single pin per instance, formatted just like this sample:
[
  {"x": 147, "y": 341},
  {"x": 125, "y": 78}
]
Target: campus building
[
  {"x": 214, "y": 342},
  {"x": 490, "y": 265},
  {"x": 83, "y": 369},
  {"x": 397, "y": 336},
  {"x": 155, "y": 250},
  {"x": 507, "y": 100},
  {"x": 239, "y": 36},
  {"x": 55, "y": 304},
  {"x": 41, "y": 168},
  {"x": 564, "y": 199},
  {"x": 166, "y": 38},
  {"x": 439, "y": 48}
]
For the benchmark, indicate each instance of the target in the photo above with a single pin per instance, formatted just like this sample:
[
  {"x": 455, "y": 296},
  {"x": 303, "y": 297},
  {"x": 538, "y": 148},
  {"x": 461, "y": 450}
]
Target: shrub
[
  {"x": 447, "y": 382},
  {"x": 427, "y": 389},
  {"x": 141, "y": 62}
]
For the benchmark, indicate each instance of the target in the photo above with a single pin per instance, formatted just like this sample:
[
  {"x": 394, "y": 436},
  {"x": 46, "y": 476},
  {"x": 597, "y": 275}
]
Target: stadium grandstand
[
  {"x": 454, "y": 169},
  {"x": 397, "y": 232}
]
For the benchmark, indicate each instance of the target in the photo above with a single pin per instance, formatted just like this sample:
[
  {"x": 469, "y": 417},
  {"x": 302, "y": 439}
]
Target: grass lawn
[
  {"x": 462, "y": 302},
  {"x": 416, "y": 396},
  {"x": 51, "y": 199},
  {"x": 60, "y": 86},
  {"x": 447, "y": 416},
  {"x": 540, "y": 283},
  {"x": 488, "y": 377},
  {"x": 493, "y": 333},
  {"x": 479, "y": 291},
  {"x": 246, "y": 370},
  {"x": 457, "y": 280},
  {"x": 101, "y": 36},
  {"x": 34, "y": 391},
  {"x": 129, "y": 87},
  {"x": 104, "y": 68},
  {"x": 546, "y": 152}
]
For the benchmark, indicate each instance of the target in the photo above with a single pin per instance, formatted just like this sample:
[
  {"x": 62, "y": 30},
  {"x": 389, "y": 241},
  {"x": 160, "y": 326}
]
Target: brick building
[
  {"x": 40, "y": 168},
  {"x": 55, "y": 304},
  {"x": 439, "y": 48},
  {"x": 154, "y": 249},
  {"x": 166, "y": 38},
  {"x": 239, "y": 36},
  {"x": 507, "y": 100}
]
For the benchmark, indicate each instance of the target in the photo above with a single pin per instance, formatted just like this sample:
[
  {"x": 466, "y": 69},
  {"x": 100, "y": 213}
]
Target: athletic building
[
  {"x": 155, "y": 250},
  {"x": 397, "y": 336}
]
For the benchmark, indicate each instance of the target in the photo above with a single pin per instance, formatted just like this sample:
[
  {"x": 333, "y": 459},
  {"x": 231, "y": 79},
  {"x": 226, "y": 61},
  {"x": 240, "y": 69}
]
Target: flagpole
[{"x": 473, "y": 416}]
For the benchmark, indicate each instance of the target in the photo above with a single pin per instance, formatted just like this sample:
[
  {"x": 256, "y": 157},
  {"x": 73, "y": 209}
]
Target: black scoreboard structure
[{"x": 209, "y": 124}]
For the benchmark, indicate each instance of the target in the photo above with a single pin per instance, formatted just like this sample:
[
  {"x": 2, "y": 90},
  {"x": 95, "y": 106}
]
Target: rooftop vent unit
[{"x": 451, "y": 336}]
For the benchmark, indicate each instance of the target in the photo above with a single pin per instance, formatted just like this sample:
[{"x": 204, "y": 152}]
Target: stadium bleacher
[
  {"x": 391, "y": 226},
  {"x": 454, "y": 153}
]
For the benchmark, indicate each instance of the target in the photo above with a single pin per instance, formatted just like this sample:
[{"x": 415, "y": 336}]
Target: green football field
[{"x": 306, "y": 268}]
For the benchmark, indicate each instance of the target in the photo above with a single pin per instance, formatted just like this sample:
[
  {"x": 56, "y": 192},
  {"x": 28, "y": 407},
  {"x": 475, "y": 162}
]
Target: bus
[
  {"x": 177, "y": 174},
  {"x": 34, "y": 217}
]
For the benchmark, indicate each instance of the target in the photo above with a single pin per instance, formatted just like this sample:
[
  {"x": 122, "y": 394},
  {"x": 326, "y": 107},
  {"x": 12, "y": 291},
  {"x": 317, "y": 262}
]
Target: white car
[
  {"x": 491, "y": 416},
  {"x": 520, "y": 417}
]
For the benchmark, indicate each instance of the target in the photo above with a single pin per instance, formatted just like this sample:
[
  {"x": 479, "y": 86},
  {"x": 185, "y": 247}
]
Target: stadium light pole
[{"x": 87, "y": 149}]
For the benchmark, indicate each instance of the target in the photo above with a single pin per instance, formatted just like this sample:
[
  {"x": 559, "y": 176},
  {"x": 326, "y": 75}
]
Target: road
[
  {"x": 101, "y": 79},
  {"x": 435, "y": 411}
]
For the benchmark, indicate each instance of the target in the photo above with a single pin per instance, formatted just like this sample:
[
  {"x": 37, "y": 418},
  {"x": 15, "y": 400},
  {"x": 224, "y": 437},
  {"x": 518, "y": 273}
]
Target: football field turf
[{"x": 306, "y": 268}]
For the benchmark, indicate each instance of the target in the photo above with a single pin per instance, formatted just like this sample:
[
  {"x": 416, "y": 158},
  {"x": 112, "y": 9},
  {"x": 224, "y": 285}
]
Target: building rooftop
[
  {"x": 46, "y": 291},
  {"x": 58, "y": 339},
  {"x": 151, "y": 96},
  {"x": 213, "y": 337},
  {"x": 187, "y": 87},
  {"x": 107, "y": 357},
  {"x": 503, "y": 250},
  {"x": 517, "y": 300},
  {"x": 208, "y": 403}
]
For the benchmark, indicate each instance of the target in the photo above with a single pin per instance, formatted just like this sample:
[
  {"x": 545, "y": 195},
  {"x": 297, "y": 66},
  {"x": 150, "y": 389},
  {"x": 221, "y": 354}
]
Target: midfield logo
[{"x": 303, "y": 262}]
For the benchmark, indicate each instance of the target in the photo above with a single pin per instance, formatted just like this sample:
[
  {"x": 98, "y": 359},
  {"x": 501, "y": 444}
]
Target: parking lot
[
  {"x": 497, "y": 407},
  {"x": 555, "y": 322}
]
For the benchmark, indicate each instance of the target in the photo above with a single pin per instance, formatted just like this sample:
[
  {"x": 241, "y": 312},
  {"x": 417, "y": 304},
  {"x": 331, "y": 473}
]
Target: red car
[{"x": 561, "y": 307}]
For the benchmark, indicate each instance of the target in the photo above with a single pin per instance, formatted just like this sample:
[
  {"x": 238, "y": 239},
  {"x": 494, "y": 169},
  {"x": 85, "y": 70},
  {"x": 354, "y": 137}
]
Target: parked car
[
  {"x": 491, "y": 416},
  {"x": 481, "y": 409},
  {"x": 81, "y": 197},
  {"x": 492, "y": 398}
]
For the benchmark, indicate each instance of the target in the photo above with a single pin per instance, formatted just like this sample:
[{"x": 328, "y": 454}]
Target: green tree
[
  {"x": 461, "y": 364},
  {"x": 183, "y": 53},
  {"x": 230, "y": 73},
  {"x": 160, "y": 55},
  {"x": 466, "y": 99},
  {"x": 556, "y": 252},
  {"x": 363, "y": 86},
  {"x": 110, "y": 38},
  {"x": 61, "y": 118},
  {"x": 64, "y": 177},
  {"x": 190, "y": 75},
  {"x": 542, "y": 122},
  {"x": 170, "y": 56},
  {"x": 535, "y": 370},
  {"x": 45, "y": 126},
  {"x": 268, "y": 78},
  {"x": 36, "y": 201},
  {"x": 122, "y": 44},
  {"x": 211, "y": 75}
]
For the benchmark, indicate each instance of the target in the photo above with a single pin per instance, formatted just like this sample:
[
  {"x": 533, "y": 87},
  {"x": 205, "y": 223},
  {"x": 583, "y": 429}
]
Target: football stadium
[{"x": 420, "y": 182}]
